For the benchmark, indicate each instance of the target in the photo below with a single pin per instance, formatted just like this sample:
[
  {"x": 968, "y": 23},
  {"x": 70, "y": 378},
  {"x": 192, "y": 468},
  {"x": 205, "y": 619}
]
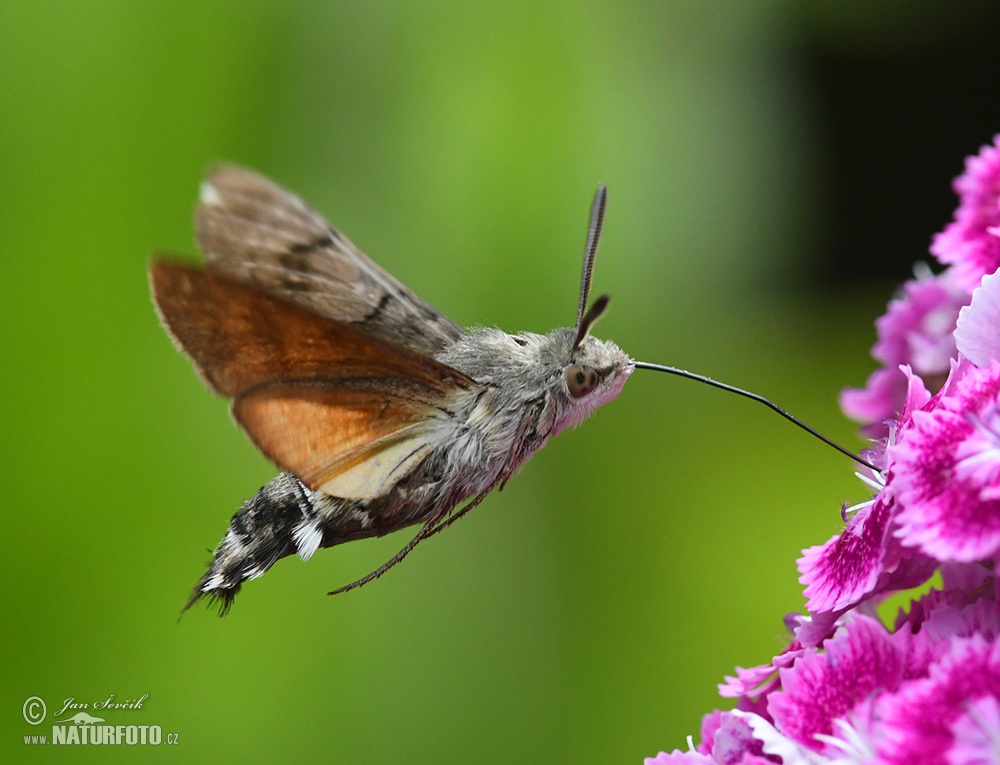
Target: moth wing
[
  {"x": 346, "y": 411},
  {"x": 257, "y": 233},
  {"x": 347, "y": 443}
]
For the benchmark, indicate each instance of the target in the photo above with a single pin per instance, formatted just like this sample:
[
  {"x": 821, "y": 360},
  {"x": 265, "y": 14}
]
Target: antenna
[
  {"x": 595, "y": 312},
  {"x": 590, "y": 252},
  {"x": 760, "y": 399}
]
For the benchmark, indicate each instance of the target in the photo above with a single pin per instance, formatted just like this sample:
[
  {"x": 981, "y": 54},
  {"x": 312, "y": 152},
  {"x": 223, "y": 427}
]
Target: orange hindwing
[{"x": 346, "y": 411}]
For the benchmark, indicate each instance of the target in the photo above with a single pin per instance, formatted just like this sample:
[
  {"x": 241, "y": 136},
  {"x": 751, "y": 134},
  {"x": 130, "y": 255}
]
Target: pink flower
[
  {"x": 876, "y": 403},
  {"x": 916, "y": 330},
  {"x": 849, "y": 689},
  {"x": 841, "y": 572},
  {"x": 947, "y": 471},
  {"x": 860, "y": 659},
  {"x": 729, "y": 739},
  {"x": 865, "y": 558},
  {"x": 726, "y": 740},
  {"x": 970, "y": 243},
  {"x": 950, "y": 712},
  {"x": 752, "y": 685}
]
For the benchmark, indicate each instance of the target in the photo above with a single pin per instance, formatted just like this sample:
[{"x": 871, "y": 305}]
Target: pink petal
[
  {"x": 976, "y": 734},
  {"x": 969, "y": 242},
  {"x": 978, "y": 334},
  {"x": 919, "y": 720},
  {"x": 844, "y": 570},
  {"x": 947, "y": 481},
  {"x": 820, "y": 688}
]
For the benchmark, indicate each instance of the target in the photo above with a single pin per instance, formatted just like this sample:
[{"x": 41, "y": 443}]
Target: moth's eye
[{"x": 580, "y": 380}]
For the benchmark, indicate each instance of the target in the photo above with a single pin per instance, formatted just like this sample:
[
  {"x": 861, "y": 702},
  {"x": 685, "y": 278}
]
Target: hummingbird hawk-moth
[{"x": 381, "y": 412}]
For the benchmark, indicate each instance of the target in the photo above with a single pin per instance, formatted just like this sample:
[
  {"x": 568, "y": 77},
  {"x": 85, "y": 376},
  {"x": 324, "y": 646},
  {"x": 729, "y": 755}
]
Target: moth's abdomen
[
  {"x": 285, "y": 517},
  {"x": 261, "y": 532}
]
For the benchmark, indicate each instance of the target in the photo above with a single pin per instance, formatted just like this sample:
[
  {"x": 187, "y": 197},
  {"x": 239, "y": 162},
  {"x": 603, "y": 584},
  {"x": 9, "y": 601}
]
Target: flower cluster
[{"x": 849, "y": 689}]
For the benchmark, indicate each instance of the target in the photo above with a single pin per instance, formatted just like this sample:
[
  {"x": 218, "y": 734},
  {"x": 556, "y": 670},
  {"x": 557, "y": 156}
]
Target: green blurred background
[{"x": 773, "y": 168}]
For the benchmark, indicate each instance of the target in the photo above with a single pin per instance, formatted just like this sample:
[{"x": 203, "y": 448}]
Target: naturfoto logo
[{"x": 74, "y": 724}]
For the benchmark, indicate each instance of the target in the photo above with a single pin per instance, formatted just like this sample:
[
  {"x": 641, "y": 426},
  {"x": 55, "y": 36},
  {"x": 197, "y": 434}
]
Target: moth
[{"x": 381, "y": 412}]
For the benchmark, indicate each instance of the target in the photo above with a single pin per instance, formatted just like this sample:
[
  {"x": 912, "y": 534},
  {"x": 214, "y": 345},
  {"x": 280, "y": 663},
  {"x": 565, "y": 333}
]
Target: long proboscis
[{"x": 760, "y": 399}]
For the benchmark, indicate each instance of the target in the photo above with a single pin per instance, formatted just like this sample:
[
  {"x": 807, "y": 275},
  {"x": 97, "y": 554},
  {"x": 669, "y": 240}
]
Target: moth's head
[{"x": 594, "y": 371}]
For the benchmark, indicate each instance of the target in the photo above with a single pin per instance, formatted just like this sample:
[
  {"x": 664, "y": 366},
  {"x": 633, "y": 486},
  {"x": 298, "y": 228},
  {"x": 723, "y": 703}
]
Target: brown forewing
[{"x": 315, "y": 395}]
